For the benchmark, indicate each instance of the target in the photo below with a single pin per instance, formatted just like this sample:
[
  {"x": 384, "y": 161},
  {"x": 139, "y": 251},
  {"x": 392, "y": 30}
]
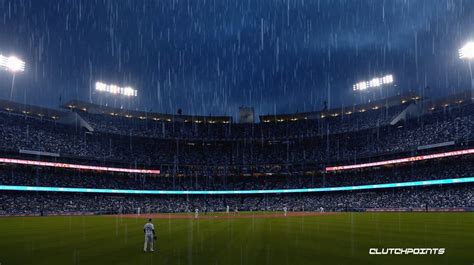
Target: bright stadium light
[
  {"x": 12, "y": 64},
  {"x": 467, "y": 51},
  {"x": 388, "y": 79},
  {"x": 114, "y": 89},
  {"x": 128, "y": 91},
  {"x": 375, "y": 82}
]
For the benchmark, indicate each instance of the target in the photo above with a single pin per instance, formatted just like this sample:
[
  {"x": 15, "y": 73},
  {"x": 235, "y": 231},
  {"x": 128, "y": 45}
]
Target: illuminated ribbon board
[
  {"x": 402, "y": 160},
  {"x": 75, "y": 166},
  {"x": 214, "y": 192}
]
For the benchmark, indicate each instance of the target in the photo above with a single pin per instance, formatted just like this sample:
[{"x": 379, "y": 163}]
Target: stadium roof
[
  {"x": 459, "y": 98},
  {"x": 348, "y": 110},
  {"x": 100, "y": 109},
  {"x": 48, "y": 113},
  {"x": 20, "y": 108}
]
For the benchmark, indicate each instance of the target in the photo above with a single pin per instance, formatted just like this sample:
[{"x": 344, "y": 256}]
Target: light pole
[
  {"x": 12, "y": 64},
  {"x": 467, "y": 53}
]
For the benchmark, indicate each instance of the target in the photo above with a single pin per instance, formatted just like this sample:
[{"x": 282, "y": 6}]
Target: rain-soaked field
[{"x": 323, "y": 239}]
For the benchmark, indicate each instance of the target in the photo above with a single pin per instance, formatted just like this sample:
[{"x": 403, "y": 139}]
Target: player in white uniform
[
  {"x": 196, "y": 213},
  {"x": 285, "y": 210},
  {"x": 228, "y": 209},
  {"x": 149, "y": 230}
]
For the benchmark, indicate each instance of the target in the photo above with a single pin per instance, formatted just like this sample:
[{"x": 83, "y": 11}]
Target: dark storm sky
[{"x": 211, "y": 56}]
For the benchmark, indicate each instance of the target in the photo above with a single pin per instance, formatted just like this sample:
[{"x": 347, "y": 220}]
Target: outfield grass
[{"x": 329, "y": 239}]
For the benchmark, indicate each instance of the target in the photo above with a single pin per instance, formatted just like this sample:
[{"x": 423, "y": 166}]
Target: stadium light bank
[
  {"x": 375, "y": 82},
  {"x": 116, "y": 90},
  {"x": 467, "y": 53},
  {"x": 11, "y": 64}
]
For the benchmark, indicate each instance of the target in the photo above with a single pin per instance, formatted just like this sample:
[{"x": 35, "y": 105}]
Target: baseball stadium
[{"x": 108, "y": 155}]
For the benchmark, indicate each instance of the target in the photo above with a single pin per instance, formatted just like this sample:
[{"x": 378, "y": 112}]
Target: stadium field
[{"x": 342, "y": 238}]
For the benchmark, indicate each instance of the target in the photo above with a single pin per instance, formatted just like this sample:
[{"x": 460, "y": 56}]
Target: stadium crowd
[
  {"x": 354, "y": 121},
  {"x": 25, "y": 132},
  {"x": 438, "y": 169}
]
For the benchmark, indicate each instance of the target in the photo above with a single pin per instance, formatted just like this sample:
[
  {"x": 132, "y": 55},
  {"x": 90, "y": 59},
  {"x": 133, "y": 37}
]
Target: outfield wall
[{"x": 228, "y": 192}]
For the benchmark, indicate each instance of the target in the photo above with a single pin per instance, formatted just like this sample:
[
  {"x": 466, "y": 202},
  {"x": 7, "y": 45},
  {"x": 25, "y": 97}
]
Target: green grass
[{"x": 330, "y": 239}]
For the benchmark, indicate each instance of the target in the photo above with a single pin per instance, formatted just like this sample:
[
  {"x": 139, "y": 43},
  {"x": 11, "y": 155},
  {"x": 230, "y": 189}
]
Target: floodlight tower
[
  {"x": 12, "y": 64},
  {"x": 371, "y": 85},
  {"x": 467, "y": 53}
]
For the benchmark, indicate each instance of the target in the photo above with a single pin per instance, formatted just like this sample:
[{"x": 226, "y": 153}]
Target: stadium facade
[{"x": 404, "y": 152}]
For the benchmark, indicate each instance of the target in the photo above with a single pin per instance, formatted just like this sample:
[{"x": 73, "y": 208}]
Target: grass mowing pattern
[{"x": 329, "y": 239}]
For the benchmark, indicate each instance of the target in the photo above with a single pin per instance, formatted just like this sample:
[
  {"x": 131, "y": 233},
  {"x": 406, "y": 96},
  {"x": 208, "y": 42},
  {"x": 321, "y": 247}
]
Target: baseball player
[{"x": 149, "y": 230}]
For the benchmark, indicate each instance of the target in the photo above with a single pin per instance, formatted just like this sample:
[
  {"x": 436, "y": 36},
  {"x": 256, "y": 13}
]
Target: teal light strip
[{"x": 210, "y": 192}]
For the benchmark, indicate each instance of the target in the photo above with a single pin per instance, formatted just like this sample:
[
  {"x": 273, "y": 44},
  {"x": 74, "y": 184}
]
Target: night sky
[{"x": 212, "y": 56}]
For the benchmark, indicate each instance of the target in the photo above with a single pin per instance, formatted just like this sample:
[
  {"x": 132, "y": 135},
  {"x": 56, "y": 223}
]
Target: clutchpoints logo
[{"x": 407, "y": 251}]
